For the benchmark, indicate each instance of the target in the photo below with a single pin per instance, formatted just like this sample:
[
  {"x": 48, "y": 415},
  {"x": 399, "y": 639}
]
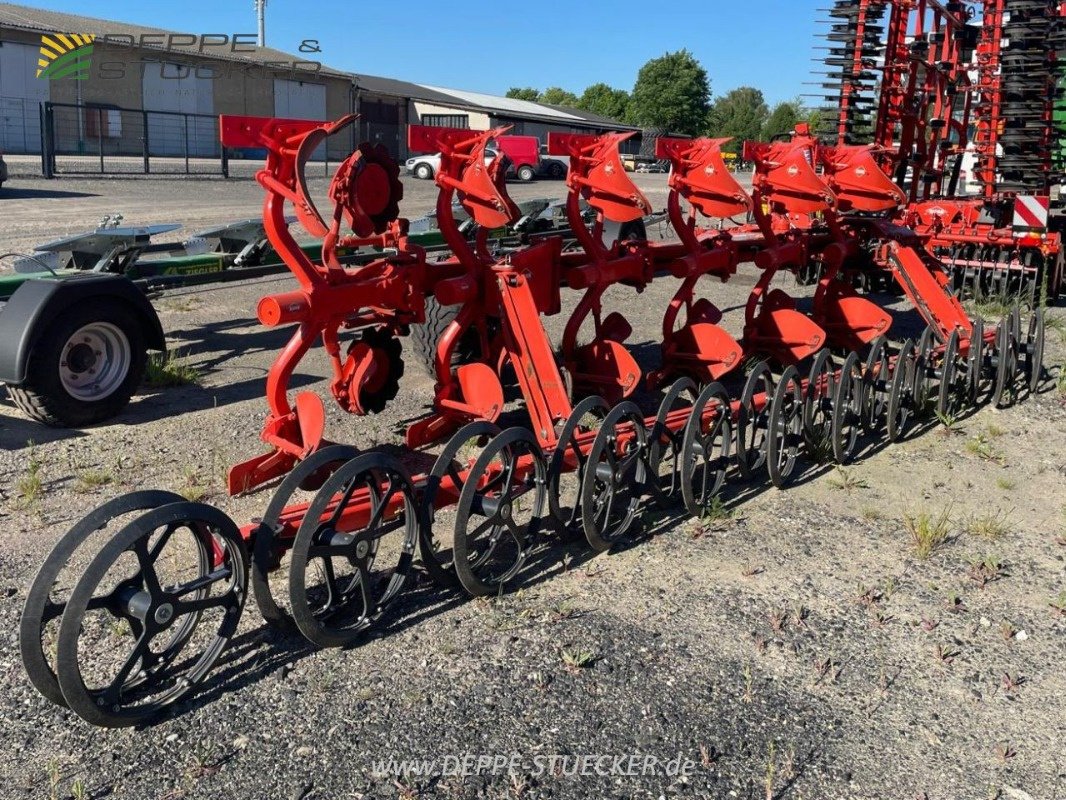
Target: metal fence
[
  {"x": 108, "y": 140},
  {"x": 20, "y": 126}
]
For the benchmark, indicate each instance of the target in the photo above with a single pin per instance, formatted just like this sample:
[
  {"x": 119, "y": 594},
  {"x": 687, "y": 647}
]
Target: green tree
[
  {"x": 673, "y": 93},
  {"x": 739, "y": 114},
  {"x": 782, "y": 119},
  {"x": 556, "y": 96},
  {"x": 524, "y": 93},
  {"x": 604, "y": 100}
]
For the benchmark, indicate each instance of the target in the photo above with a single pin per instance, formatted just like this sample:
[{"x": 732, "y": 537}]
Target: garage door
[
  {"x": 21, "y": 95},
  {"x": 300, "y": 100},
  {"x": 179, "y": 90}
]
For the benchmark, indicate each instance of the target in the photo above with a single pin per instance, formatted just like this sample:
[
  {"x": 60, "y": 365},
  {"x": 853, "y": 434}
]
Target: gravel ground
[{"x": 798, "y": 649}]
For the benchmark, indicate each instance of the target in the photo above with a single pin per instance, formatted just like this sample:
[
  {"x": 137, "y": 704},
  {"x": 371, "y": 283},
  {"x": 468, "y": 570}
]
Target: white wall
[{"x": 21, "y": 95}]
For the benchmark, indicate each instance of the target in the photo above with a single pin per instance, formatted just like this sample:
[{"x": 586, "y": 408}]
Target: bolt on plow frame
[{"x": 346, "y": 533}]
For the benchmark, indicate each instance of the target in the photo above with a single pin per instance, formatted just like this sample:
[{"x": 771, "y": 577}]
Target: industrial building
[{"x": 156, "y": 93}]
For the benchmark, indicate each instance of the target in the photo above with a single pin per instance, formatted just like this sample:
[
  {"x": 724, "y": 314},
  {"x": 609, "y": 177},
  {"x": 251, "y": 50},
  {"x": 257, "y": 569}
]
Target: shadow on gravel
[{"x": 24, "y": 193}]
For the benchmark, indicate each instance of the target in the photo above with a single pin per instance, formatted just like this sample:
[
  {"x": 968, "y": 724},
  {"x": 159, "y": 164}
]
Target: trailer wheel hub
[{"x": 95, "y": 361}]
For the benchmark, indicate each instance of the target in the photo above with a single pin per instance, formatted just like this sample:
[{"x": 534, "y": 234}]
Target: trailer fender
[{"x": 39, "y": 302}]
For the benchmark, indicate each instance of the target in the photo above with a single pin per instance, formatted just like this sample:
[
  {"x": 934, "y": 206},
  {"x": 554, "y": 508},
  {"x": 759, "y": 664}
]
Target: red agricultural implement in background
[
  {"x": 581, "y": 453},
  {"x": 960, "y": 98}
]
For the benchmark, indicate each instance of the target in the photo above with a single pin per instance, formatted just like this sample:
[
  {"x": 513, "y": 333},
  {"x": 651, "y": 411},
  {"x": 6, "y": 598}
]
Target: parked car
[
  {"x": 654, "y": 166},
  {"x": 3, "y": 170},
  {"x": 554, "y": 167},
  {"x": 522, "y": 151}
]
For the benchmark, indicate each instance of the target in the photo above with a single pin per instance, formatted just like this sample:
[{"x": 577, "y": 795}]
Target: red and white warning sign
[{"x": 1031, "y": 212}]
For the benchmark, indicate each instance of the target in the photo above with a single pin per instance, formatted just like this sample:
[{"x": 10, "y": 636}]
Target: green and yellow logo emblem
[{"x": 65, "y": 55}]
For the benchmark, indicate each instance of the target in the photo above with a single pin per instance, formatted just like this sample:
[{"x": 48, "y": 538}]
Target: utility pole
[{"x": 260, "y": 13}]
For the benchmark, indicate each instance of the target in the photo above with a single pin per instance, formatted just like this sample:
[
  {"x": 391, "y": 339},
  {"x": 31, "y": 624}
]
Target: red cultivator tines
[{"x": 345, "y": 532}]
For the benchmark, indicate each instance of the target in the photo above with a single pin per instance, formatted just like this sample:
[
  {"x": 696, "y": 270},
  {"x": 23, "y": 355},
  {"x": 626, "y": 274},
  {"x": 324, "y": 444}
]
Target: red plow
[{"x": 584, "y": 456}]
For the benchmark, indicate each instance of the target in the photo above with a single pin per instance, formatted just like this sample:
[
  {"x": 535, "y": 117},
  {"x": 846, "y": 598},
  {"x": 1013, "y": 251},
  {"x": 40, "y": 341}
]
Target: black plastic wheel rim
[
  {"x": 438, "y": 553},
  {"x": 950, "y": 391},
  {"x": 499, "y": 511},
  {"x": 753, "y": 420},
  {"x": 847, "y": 410},
  {"x": 42, "y": 608},
  {"x": 901, "y": 394},
  {"x": 345, "y": 574},
  {"x": 614, "y": 478},
  {"x": 876, "y": 382},
  {"x": 1034, "y": 350},
  {"x": 269, "y": 550},
  {"x": 975, "y": 363},
  {"x": 705, "y": 449},
  {"x": 785, "y": 428},
  {"x": 665, "y": 445},
  {"x": 818, "y": 401},
  {"x": 104, "y": 608},
  {"x": 1003, "y": 358},
  {"x": 564, "y": 483},
  {"x": 922, "y": 373}
]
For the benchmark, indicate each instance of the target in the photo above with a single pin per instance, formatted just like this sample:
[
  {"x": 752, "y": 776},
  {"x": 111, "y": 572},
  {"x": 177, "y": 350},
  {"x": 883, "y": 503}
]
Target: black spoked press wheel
[
  {"x": 876, "y": 381},
  {"x": 665, "y": 444},
  {"x": 1033, "y": 350},
  {"x": 1005, "y": 357},
  {"x": 818, "y": 403},
  {"x": 900, "y": 410},
  {"x": 346, "y": 571},
  {"x": 85, "y": 367},
  {"x": 785, "y": 428},
  {"x": 953, "y": 381},
  {"x": 566, "y": 468},
  {"x": 753, "y": 420},
  {"x": 978, "y": 386},
  {"x": 705, "y": 449},
  {"x": 152, "y": 614},
  {"x": 435, "y": 543},
  {"x": 51, "y": 587},
  {"x": 923, "y": 374},
  {"x": 270, "y": 552},
  {"x": 847, "y": 410},
  {"x": 614, "y": 477},
  {"x": 499, "y": 511}
]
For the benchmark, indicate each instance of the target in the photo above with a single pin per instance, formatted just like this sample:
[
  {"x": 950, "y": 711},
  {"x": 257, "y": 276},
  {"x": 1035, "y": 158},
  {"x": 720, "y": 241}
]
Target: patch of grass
[
  {"x": 991, "y": 526},
  {"x": 846, "y": 481},
  {"x": 872, "y": 513},
  {"x": 576, "y": 659},
  {"x": 183, "y": 303},
  {"x": 193, "y": 487},
  {"x": 928, "y": 531},
  {"x": 982, "y": 447},
  {"x": 29, "y": 487},
  {"x": 78, "y": 790},
  {"x": 994, "y": 430},
  {"x": 1058, "y": 604},
  {"x": 168, "y": 369},
  {"x": 820, "y": 451},
  {"x": 92, "y": 478},
  {"x": 1006, "y": 484},
  {"x": 1057, "y": 324}
]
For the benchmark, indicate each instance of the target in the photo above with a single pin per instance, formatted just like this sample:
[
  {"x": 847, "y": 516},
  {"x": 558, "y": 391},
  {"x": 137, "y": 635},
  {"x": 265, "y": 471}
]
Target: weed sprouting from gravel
[
  {"x": 949, "y": 425},
  {"x": 30, "y": 485},
  {"x": 1007, "y": 630},
  {"x": 984, "y": 570},
  {"x": 955, "y": 603},
  {"x": 1010, "y": 683},
  {"x": 576, "y": 659},
  {"x": 872, "y": 513},
  {"x": 991, "y": 526},
  {"x": 827, "y": 669},
  {"x": 1006, "y": 484},
  {"x": 846, "y": 481},
  {"x": 982, "y": 447},
  {"x": 928, "y": 531},
  {"x": 1058, "y": 604},
  {"x": 168, "y": 369},
  {"x": 92, "y": 478},
  {"x": 771, "y": 767},
  {"x": 945, "y": 655},
  {"x": 78, "y": 791},
  {"x": 193, "y": 486},
  {"x": 1004, "y": 752}
]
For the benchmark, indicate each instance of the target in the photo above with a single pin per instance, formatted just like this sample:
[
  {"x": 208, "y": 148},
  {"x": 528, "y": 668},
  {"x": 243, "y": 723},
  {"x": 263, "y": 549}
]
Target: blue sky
[{"x": 490, "y": 46}]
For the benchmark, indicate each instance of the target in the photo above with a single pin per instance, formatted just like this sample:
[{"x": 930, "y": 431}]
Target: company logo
[{"x": 65, "y": 55}]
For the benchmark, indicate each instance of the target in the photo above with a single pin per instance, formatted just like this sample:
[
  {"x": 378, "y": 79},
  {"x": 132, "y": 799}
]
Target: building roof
[
  {"x": 488, "y": 103},
  {"x": 40, "y": 20}
]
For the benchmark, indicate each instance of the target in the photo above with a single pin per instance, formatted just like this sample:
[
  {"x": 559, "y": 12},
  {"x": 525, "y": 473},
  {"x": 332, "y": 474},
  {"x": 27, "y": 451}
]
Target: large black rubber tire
[
  {"x": 425, "y": 336},
  {"x": 42, "y": 395}
]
